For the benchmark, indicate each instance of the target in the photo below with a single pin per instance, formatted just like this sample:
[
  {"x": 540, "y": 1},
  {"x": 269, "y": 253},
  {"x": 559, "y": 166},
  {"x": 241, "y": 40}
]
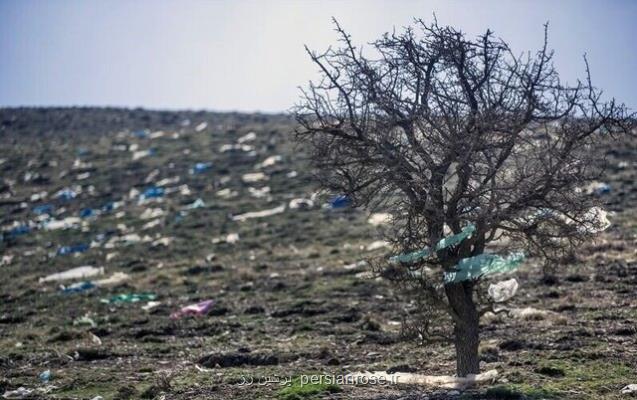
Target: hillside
[{"x": 183, "y": 207}]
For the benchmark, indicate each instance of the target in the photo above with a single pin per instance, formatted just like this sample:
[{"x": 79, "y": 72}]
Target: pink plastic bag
[{"x": 201, "y": 308}]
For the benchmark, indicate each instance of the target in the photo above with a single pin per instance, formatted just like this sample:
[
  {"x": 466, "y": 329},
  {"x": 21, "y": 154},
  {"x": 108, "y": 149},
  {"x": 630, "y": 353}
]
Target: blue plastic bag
[
  {"x": 341, "y": 201},
  {"x": 43, "y": 209},
  {"x": 78, "y": 248},
  {"x": 200, "y": 168},
  {"x": 86, "y": 212}
]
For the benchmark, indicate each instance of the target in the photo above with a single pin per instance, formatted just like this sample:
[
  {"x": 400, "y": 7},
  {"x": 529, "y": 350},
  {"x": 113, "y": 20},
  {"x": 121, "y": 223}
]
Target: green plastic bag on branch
[
  {"x": 483, "y": 264},
  {"x": 442, "y": 244}
]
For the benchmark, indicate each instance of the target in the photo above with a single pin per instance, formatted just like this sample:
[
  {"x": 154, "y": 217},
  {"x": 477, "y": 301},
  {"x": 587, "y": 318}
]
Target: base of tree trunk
[
  {"x": 466, "y": 343},
  {"x": 466, "y": 331}
]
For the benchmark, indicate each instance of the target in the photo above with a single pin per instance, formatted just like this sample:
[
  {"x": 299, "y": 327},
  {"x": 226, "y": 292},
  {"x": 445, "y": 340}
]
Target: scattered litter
[
  {"x": 483, "y": 264},
  {"x": 38, "y": 196},
  {"x": 503, "y": 291},
  {"x": 270, "y": 161},
  {"x": 19, "y": 393},
  {"x": 451, "y": 382},
  {"x": 379, "y": 219},
  {"x": 259, "y": 193},
  {"x": 628, "y": 389},
  {"x": 77, "y": 248},
  {"x": 378, "y": 244},
  {"x": 66, "y": 194},
  {"x": 166, "y": 241},
  {"x": 200, "y": 168},
  {"x": 151, "y": 193},
  {"x": 74, "y": 273},
  {"x": 442, "y": 244},
  {"x": 151, "y": 224},
  {"x": 456, "y": 238},
  {"x": 168, "y": 181},
  {"x": 151, "y": 213},
  {"x": 87, "y": 213},
  {"x": 183, "y": 190},
  {"x": 249, "y": 137},
  {"x": 254, "y": 177},
  {"x": 43, "y": 209},
  {"x": 45, "y": 376},
  {"x": 355, "y": 266},
  {"x": 110, "y": 206},
  {"x": 125, "y": 240},
  {"x": 150, "y": 305},
  {"x": 231, "y": 238},
  {"x": 227, "y": 193},
  {"x": 596, "y": 220},
  {"x": 129, "y": 298},
  {"x": 79, "y": 287},
  {"x": 156, "y": 135},
  {"x": 301, "y": 204},
  {"x": 17, "y": 231},
  {"x": 339, "y": 202},
  {"x": 197, "y": 309},
  {"x": 84, "y": 321},
  {"x": 226, "y": 148},
  {"x": 132, "y": 193},
  {"x": 137, "y": 155},
  {"x": 201, "y": 127},
  {"x": 151, "y": 177},
  {"x": 528, "y": 313},
  {"x": 196, "y": 204},
  {"x": 115, "y": 279},
  {"x": 140, "y": 134},
  {"x": 66, "y": 223},
  {"x": 597, "y": 188},
  {"x": 259, "y": 214}
]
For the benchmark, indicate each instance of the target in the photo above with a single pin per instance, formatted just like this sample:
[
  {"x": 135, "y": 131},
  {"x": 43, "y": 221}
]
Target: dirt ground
[{"x": 288, "y": 297}]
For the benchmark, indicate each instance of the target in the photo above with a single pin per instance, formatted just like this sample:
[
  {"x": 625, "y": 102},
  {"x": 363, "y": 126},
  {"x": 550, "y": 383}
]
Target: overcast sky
[{"x": 248, "y": 55}]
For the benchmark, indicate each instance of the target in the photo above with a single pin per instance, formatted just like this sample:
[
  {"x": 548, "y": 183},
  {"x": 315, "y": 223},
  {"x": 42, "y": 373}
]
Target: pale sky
[{"x": 248, "y": 55}]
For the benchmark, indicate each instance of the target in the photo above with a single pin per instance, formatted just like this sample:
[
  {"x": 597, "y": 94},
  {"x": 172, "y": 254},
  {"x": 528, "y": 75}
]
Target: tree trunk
[{"x": 466, "y": 331}]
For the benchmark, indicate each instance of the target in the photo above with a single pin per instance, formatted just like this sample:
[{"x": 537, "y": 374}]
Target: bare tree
[{"x": 444, "y": 131}]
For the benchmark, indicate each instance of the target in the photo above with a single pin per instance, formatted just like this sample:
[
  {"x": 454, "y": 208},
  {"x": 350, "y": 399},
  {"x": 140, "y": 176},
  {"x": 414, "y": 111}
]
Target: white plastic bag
[{"x": 503, "y": 291}]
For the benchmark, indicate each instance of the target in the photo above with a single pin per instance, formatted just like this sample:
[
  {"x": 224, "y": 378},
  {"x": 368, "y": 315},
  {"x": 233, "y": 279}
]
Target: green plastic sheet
[
  {"x": 457, "y": 238},
  {"x": 130, "y": 298},
  {"x": 442, "y": 244},
  {"x": 483, "y": 264}
]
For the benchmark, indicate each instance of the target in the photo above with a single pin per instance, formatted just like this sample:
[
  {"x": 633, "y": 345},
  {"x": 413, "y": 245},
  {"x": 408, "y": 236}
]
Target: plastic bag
[
  {"x": 130, "y": 298},
  {"x": 483, "y": 264},
  {"x": 442, "y": 244},
  {"x": 201, "y": 308},
  {"x": 503, "y": 291}
]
